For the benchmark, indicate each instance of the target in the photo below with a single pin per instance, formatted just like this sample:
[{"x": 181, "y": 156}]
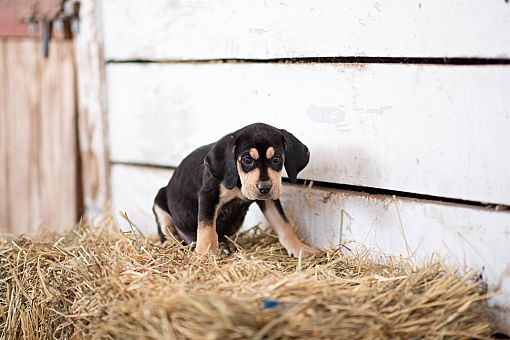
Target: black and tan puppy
[{"x": 210, "y": 192}]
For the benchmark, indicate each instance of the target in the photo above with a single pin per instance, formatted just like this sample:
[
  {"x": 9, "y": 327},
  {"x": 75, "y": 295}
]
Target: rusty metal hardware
[{"x": 60, "y": 19}]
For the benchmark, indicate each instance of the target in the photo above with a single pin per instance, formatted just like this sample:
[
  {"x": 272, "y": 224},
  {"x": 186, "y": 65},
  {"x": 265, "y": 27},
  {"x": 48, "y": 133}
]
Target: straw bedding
[{"x": 101, "y": 283}]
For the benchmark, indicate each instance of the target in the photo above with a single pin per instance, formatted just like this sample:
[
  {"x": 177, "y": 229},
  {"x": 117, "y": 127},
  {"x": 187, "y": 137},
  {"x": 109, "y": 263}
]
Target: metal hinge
[{"x": 61, "y": 21}]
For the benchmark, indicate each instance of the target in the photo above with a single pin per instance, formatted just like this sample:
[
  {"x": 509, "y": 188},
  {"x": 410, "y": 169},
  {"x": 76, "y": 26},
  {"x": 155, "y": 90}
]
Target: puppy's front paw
[
  {"x": 229, "y": 245},
  {"x": 207, "y": 241},
  {"x": 295, "y": 247},
  {"x": 206, "y": 249}
]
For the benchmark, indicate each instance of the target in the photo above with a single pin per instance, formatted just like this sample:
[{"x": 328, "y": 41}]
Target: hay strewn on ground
[{"x": 105, "y": 284}]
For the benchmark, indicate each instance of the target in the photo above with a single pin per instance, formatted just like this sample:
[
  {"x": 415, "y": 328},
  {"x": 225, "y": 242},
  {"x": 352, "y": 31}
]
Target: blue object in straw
[{"x": 270, "y": 304}]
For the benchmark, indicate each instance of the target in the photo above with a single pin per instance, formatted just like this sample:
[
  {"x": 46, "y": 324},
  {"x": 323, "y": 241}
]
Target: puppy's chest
[
  {"x": 231, "y": 215},
  {"x": 229, "y": 195}
]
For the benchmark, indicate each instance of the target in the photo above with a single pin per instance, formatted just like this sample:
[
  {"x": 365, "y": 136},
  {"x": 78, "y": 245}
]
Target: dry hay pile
[{"x": 104, "y": 284}]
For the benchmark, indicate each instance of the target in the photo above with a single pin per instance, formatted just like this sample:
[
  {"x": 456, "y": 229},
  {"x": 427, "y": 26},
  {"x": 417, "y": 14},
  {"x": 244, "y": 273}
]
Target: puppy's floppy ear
[
  {"x": 220, "y": 161},
  {"x": 296, "y": 155}
]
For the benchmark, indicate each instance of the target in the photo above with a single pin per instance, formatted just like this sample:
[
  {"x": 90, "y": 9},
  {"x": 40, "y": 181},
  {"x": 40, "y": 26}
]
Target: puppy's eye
[
  {"x": 247, "y": 160},
  {"x": 277, "y": 159}
]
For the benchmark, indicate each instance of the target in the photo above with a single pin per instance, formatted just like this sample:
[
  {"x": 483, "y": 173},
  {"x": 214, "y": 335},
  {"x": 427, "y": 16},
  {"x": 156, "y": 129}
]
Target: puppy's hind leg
[{"x": 166, "y": 226}]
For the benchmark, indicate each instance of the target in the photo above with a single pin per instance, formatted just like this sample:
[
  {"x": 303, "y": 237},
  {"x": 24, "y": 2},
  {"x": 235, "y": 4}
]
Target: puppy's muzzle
[
  {"x": 266, "y": 190},
  {"x": 264, "y": 187}
]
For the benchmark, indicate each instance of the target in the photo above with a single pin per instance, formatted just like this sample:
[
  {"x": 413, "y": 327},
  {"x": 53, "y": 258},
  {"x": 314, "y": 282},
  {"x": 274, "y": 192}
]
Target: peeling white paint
[{"x": 201, "y": 29}]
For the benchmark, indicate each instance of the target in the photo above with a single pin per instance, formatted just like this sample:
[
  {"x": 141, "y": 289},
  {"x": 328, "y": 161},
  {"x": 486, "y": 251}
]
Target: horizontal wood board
[
  {"x": 200, "y": 29},
  {"x": 433, "y": 130},
  {"x": 471, "y": 238}
]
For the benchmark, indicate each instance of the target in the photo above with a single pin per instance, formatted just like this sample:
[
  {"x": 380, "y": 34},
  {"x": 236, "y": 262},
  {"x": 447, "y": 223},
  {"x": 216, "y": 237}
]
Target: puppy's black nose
[{"x": 264, "y": 188}]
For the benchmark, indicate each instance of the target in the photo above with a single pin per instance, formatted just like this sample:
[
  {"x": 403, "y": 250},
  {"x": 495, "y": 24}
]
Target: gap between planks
[{"x": 330, "y": 60}]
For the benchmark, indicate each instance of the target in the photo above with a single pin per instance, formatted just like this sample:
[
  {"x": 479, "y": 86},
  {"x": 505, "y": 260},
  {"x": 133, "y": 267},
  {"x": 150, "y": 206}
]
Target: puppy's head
[{"x": 253, "y": 157}]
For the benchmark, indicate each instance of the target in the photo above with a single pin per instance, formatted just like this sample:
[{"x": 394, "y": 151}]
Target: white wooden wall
[{"x": 180, "y": 75}]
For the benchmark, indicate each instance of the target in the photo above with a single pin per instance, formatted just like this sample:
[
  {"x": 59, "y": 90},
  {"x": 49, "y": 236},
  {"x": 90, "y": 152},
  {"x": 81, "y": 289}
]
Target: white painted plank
[
  {"x": 471, "y": 238},
  {"x": 435, "y": 130},
  {"x": 200, "y": 29},
  {"x": 133, "y": 191}
]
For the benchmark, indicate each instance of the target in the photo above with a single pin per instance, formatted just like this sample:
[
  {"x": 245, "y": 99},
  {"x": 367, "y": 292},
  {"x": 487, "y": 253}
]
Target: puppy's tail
[{"x": 160, "y": 202}]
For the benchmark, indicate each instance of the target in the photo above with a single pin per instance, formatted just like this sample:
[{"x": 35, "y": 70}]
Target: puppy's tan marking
[
  {"x": 166, "y": 223},
  {"x": 254, "y": 153},
  {"x": 276, "y": 178},
  {"x": 270, "y": 152},
  {"x": 228, "y": 195},
  {"x": 207, "y": 239},
  {"x": 286, "y": 233},
  {"x": 249, "y": 182}
]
